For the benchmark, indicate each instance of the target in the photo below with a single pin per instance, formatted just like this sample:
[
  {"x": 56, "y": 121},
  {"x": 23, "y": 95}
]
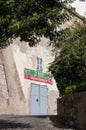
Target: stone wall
[
  {"x": 72, "y": 109},
  {"x": 26, "y": 57},
  {"x": 12, "y": 99},
  {"x": 15, "y": 91},
  {"x": 4, "y": 95}
]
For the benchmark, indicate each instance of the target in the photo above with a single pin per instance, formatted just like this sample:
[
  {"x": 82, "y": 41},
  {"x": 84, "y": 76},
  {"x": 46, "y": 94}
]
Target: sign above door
[{"x": 37, "y": 76}]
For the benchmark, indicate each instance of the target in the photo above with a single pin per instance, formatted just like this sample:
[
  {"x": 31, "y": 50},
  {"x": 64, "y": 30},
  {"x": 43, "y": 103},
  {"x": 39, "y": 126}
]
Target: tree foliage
[
  {"x": 69, "y": 68},
  {"x": 30, "y": 19}
]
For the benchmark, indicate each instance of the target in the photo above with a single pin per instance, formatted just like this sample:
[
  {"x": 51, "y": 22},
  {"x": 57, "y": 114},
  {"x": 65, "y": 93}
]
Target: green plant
[
  {"x": 31, "y": 19},
  {"x": 70, "y": 89},
  {"x": 69, "y": 67}
]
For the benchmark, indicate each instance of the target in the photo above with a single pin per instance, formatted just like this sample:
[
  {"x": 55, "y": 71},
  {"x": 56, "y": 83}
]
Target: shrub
[{"x": 70, "y": 89}]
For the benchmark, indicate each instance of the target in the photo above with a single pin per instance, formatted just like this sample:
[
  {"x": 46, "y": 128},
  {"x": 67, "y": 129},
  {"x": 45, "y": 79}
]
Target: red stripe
[{"x": 40, "y": 79}]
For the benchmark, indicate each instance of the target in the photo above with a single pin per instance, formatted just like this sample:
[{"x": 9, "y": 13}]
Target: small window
[{"x": 39, "y": 64}]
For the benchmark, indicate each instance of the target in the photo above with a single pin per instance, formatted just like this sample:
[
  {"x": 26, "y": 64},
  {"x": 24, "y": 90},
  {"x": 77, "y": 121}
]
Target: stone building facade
[{"x": 25, "y": 83}]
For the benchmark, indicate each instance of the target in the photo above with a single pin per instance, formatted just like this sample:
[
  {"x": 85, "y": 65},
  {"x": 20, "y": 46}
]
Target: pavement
[{"x": 11, "y": 122}]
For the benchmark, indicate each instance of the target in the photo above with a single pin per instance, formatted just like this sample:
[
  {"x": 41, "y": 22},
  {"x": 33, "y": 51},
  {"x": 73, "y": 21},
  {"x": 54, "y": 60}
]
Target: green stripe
[{"x": 35, "y": 73}]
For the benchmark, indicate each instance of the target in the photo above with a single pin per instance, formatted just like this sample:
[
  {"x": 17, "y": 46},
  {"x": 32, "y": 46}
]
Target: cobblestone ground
[{"x": 29, "y": 123}]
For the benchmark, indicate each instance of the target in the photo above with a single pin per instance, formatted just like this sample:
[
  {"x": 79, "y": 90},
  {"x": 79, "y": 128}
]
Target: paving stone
[{"x": 28, "y": 123}]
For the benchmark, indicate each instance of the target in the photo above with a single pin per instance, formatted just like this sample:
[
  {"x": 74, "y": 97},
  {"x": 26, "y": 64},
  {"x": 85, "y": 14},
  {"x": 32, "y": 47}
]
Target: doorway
[{"x": 39, "y": 96}]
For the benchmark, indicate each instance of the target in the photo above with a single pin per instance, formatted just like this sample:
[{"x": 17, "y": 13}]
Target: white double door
[{"x": 39, "y": 96}]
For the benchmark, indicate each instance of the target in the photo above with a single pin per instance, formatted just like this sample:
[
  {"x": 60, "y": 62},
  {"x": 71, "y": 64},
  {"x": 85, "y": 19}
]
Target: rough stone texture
[
  {"x": 15, "y": 91},
  {"x": 12, "y": 99},
  {"x": 72, "y": 109},
  {"x": 52, "y": 101},
  {"x": 29, "y": 123},
  {"x": 26, "y": 57},
  {"x": 4, "y": 94}
]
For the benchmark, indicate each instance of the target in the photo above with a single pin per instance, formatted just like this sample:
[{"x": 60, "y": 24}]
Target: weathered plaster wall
[
  {"x": 72, "y": 109},
  {"x": 12, "y": 99},
  {"x": 15, "y": 91},
  {"x": 26, "y": 57},
  {"x": 4, "y": 95}
]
